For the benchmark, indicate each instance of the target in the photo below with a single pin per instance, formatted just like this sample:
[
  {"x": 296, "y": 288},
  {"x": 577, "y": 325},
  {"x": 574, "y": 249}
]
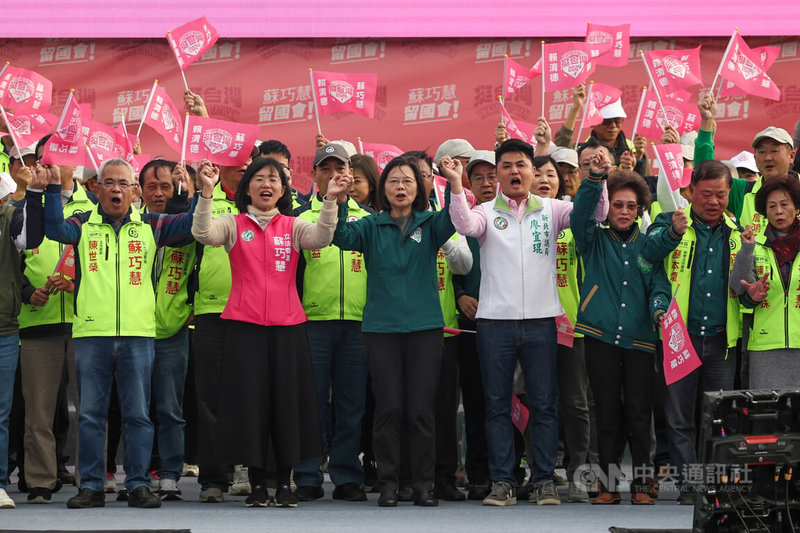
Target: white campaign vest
[{"x": 518, "y": 262}]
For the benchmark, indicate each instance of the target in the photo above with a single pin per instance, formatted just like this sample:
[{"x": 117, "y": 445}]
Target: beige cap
[
  {"x": 481, "y": 156},
  {"x": 777, "y": 134},
  {"x": 565, "y": 155},
  {"x": 454, "y": 148}
]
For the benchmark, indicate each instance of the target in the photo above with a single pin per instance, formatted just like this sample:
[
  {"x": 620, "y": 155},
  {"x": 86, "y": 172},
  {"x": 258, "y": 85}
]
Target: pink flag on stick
[
  {"x": 381, "y": 153},
  {"x": 681, "y": 115},
  {"x": 745, "y": 68},
  {"x": 29, "y": 128},
  {"x": 673, "y": 70},
  {"x": 603, "y": 94},
  {"x": 66, "y": 146},
  {"x": 102, "y": 141},
  {"x": 670, "y": 158},
  {"x": 517, "y": 76},
  {"x": 439, "y": 187},
  {"x": 190, "y": 41},
  {"x": 611, "y": 45},
  {"x": 221, "y": 142},
  {"x": 25, "y": 91},
  {"x": 66, "y": 263},
  {"x": 519, "y": 414},
  {"x": 680, "y": 359},
  {"x": 124, "y": 139},
  {"x": 565, "y": 331},
  {"x": 567, "y": 64},
  {"x": 162, "y": 115},
  {"x": 518, "y": 129},
  {"x": 766, "y": 54},
  {"x": 340, "y": 92}
]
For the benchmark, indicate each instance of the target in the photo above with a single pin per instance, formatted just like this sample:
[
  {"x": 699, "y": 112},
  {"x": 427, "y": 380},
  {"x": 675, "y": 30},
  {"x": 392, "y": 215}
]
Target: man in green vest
[
  {"x": 334, "y": 291},
  {"x": 20, "y": 229},
  {"x": 697, "y": 246},
  {"x": 47, "y": 346},
  {"x": 170, "y": 279},
  {"x": 114, "y": 325}
]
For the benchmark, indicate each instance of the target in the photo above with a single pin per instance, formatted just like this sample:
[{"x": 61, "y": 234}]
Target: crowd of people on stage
[{"x": 223, "y": 325}]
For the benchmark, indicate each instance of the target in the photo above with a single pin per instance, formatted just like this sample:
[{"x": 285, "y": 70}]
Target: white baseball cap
[
  {"x": 7, "y": 185},
  {"x": 565, "y": 155},
  {"x": 454, "y": 148},
  {"x": 613, "y": 110},
  {"x": 744, "y": 159}
]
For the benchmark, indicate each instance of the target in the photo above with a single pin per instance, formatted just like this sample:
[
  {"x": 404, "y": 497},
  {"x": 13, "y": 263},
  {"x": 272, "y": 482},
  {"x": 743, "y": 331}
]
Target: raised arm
[
  {"x": 471, "y": 223},
  {"x": 314, "y": 236},
  {"x": 217, "y": 231}
]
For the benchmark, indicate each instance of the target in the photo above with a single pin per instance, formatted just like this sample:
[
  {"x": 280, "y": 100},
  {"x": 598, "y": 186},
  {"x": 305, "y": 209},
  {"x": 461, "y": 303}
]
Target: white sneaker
[
  {"x": 169, "y": 490},
  {"x": 190, "y": 470},
  {"x": 5, "y": 500},
  {"x": 241, "y": 483}
]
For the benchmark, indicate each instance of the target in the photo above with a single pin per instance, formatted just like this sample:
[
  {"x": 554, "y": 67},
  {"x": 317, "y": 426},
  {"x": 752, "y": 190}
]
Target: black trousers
[
  {"x": 615, "y": 373},
  {"x": 209, "y": 343},
  {"x": 404, "y": 368},
  {"x": 476, "y": 464},
  {"x": 447, "y": 415}
]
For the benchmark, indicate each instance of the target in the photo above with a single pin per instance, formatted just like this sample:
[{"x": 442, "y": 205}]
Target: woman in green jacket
[
  {"x": 623, "y": 298},
  {"x": 402, "y": 321}
]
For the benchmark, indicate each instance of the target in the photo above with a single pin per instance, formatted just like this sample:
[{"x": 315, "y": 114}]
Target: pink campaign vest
[{"x": 263, "y": 272}]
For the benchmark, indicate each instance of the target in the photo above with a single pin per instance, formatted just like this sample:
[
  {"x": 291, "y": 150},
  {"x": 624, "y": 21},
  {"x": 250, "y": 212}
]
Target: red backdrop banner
[{"x": 429, "y": 90}]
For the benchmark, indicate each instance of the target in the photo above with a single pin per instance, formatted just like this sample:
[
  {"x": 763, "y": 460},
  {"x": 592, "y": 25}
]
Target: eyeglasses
[
  {"x": 110, "y": 184},
  {"x": 394, "y": 182},
  {"x": 585, "y": 165},
  {"x": 619, "y": 206},
  {"x": 484, "y": 179}
]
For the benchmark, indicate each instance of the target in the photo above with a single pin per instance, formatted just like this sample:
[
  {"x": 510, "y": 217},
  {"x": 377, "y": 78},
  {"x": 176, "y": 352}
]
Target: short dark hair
[
  {"x": 419, "y": 155},
  {"x": 275, "y": 147},
  {"x": 369, "y": 168},
  {"x": 594, "y": 142},
  {"x": 628, "y": 179},
  {"x": 514, "y": 145},
  {"x": 243, "y": 199},
  {"x": 541, "y": 160},
  {"x": 41, "y": 144},
  {"x": 155, "y": 164},
  {"x": 420, "y": 201},
  {"x": 790, "y": 184},
  {"x": 711, "y": 170}
]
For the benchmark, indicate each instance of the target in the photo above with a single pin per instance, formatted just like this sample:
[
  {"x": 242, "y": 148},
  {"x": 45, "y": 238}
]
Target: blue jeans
[
  {"x": 169, "y": 379},
  {"x": 716, "y": 373},
  {"x": 130, "y": 360},
  {"x": 9, "y": 355},
  {"x": 340, "y": 374},
  {"x": 533, "y": 342}
]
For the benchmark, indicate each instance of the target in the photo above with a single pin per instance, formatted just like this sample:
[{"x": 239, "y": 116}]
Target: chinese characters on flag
[
  {"x": 162, "y": 115},
  {"x": 766, "y": 54},
  {"x": 66, "y": 263},
  {"x": 339, "y": 92},
  {"x": 381, "y": 153},
  {"x": 680, "y": 359},
  {"x": 25, "y": 91},
  {"x": 567, "y": 64},
  {"x": 745, "y": 69},
  {"x": 221, "y": 142},
  {"x": 603, "y": 94},
  {"x": 682, "y": 115},
  {"x": 66, "y": 146},
  {"x": 516, "y": 76},
  {"x": 518, "y": 129},
  {"x": 28, "y": 129},
  {"x": 610, "y": 45},
  {"x": 670, "y": 157},
  {"x": 190, "y": 41},
  {"x": 673, "y": 70}
]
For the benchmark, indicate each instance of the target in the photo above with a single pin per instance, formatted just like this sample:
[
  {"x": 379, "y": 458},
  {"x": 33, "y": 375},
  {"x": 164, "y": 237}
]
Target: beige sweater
[{"x": 222, "y": 230}]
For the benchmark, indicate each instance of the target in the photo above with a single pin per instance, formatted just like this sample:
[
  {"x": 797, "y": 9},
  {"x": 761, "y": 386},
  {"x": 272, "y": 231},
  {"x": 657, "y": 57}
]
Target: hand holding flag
[{"x": 680, "y": 358}]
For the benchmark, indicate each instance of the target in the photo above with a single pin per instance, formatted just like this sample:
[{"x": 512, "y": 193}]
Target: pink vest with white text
[{"x": 263, "y": 272}]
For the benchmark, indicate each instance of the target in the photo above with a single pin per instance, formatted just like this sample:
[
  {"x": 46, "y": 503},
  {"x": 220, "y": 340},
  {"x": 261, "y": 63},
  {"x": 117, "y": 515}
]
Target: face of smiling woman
[{"x": 265, "y": 188}]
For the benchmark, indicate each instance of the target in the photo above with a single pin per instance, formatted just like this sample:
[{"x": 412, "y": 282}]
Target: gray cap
[
  {"x": 777, "y": 134},
  {"x": 565, "y": 155},
  {"x": 454, "y": 148},
  {"x": 331, "y": 150},
  {"x": 481, "y": 156}
]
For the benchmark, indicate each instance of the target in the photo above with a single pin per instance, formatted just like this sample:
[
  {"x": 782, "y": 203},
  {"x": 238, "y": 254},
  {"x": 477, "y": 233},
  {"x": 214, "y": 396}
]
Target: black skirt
[{"x": 268, "y": 407}]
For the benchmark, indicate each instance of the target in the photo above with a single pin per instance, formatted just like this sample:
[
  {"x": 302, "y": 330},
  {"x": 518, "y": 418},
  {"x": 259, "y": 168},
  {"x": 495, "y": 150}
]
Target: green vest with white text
[{"x": 214, "y": 270}]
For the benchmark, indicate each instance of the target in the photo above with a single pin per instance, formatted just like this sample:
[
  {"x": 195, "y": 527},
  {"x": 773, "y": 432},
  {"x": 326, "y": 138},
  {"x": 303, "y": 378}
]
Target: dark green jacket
[
  {"x": 621, "y": 292},
  {"x": 402, "y": 289}
]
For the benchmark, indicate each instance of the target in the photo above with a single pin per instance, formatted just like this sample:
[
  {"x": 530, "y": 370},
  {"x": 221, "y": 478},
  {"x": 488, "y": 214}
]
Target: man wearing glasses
[{"x": 114, "y": 323}]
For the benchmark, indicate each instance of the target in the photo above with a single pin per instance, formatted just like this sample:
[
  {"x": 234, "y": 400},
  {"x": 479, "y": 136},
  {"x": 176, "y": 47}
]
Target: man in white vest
[{"x": 516, "y": 314}]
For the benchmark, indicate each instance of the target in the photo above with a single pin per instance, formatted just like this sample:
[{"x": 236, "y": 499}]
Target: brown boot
[
  {"x": 607, "y": 498},
  {"x": 641, "y": 498}
]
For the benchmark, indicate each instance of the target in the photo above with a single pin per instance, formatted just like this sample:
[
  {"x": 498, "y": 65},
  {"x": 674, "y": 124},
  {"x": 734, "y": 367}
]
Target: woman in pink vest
[{"x": 268, "y": 413}]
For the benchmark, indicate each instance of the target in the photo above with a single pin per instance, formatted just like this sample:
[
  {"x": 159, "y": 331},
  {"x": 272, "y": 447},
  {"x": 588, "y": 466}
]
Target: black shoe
[
  {"x": 370, "y": 476},
  {"x": 122, "y": 496},
  {"x": 349, "y": 492},
  {"x": 425, "y": 498},
  {"x": 258, "y": 497},
  {"x": 478, "y": 492},
  {"x": 142, "y": 497},
  {"x": 524, "y": 492},
  {"x": 405, "y": 494},
  {"x": 388, "y": 498},
  {"x": 64, "y": 475},
  {"x": 40, "y": 495},
  {"x": 21, "y": 485},
  {"x": 284, "y": 497},
  {"x": 449, "y": 493},
  {"x": 307, "y": 493},
  {"x": 87, "y": 498}
]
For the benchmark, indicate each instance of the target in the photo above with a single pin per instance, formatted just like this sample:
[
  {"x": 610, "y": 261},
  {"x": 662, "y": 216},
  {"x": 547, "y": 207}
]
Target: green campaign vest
[
  {"x": 776, "y": 320},
  {"x": 115, "y": 296},
  {"x": 172, "y": 293},
  {"x": 678, "y": 265},
  {"x": 40, "y": 263},
  {"x": 655, "y": 210},
  {"x": 750, "y": 217},
  {"x": 4, "y": 161},
  {"x": 567, "y": 260},
  {"x": 334, "y": 280},
  {"x": 214, "y": 272},
  {"x": 447, "y": 293}
]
